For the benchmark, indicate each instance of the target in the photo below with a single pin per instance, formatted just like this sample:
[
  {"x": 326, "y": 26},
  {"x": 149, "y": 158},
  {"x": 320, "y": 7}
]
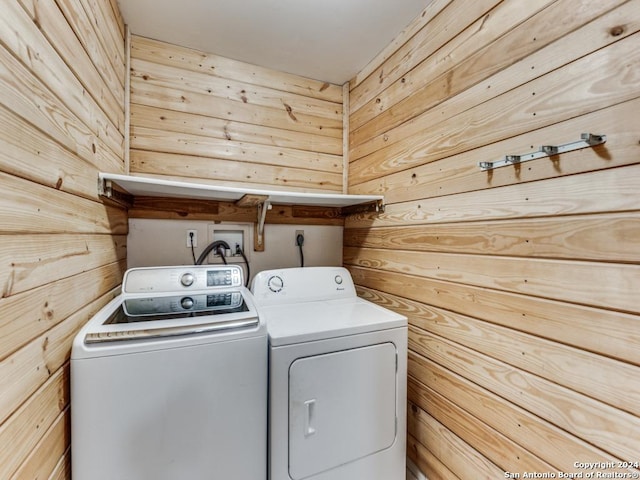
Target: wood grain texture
[
  {"x": 44, "y": 458},
  {"x": 26, "y": 207},
  {"x": 601, "y": 331},
  {"x": 447, "y": 446},
  {"x": 84, "y": 29},
  {"x": 542, "y": 438},
  {"x": 178, "y": 209},
  {"x": 29, "y": 98},
  {"x": 345, "y": 139},
  {"x": 582, "y": 237},
  {"x": 30, "y": 422},
  {"x": 486, "y": 61},
  {"x": 30, "y": 314},
  {"x": 196, "y": 61},
  {"x": 27, "y": 262},
  {"x": 106, "y": 31},
  {"x": 606, "y": 427},
  {"x": 483, "y": 31},
  {"x": 600, "y": 80},
  {"x": 202, "y": 146},
  {"x": 426, "y": 461},
  {"x": 215, "y": 119},
  {"x": 448, "y": 23},
  {"x": 571, "y": 367},
  {"x": 460, "y": 173},
  {"x": 423, "y": 18},
  {"x": 502, "y": 451},
  {"x": 611, "y": 286},
  {"x": 63, "y": 250},
  {"x": 51, "y": 21},
  {"x": 174, "y": 77},
  {"x": 523, "y": 342},
  {"x": 230, "y": 171},
  {"x": 171, "y": 121},
  {"x": 601, "y": 191},
  {"x": 22, "y": 37},
  {"x": 24, "y": 371},
  {"x": 62, "y": 470},
  {"x": 32, "y": 155},
  {"x": 282, "y": 117}
]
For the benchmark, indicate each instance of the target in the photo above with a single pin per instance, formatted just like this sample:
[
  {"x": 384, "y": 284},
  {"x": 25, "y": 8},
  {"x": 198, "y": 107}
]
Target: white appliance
[
  {"x": 337, "y": 378},
  {"x": 169, "y": 380}
]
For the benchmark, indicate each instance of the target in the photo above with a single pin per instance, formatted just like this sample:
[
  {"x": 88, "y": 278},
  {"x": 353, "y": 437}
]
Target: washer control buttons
[
  {"x": 187, "y": 303},
  {"x": 187, "y": 279},
  {"x": 275, "y": 283},
  {"x": 338, "y": 279}
]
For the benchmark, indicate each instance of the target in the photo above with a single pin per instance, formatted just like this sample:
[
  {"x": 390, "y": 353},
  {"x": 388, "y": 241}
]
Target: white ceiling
[{"x": 328, "y": 40}]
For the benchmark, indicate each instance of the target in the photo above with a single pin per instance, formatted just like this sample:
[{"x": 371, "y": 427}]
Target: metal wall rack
[{"x": 586, "y": 140}]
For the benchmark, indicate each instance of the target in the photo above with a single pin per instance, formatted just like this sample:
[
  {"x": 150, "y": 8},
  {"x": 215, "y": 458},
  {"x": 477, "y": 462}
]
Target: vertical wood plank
[{"x": 345, "y": 139}]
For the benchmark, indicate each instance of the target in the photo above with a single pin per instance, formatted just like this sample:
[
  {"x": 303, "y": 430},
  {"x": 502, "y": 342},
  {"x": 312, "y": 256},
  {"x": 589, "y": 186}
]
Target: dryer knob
[
  {"x": 275, "y": 284},
  {"x": 187, "y": 303},
  {"x": 187, "y": 279},
  {"x": 338, "y": 279}
]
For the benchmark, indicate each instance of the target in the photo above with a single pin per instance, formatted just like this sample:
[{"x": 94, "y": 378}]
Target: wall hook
[
  {"x": 586, "y": 140},
  {"x": 549, "y": 149}
]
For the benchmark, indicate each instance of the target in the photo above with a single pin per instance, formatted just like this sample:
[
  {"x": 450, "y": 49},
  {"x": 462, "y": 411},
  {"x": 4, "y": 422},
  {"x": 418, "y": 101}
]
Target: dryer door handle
[{"x": 309, "y": 417}]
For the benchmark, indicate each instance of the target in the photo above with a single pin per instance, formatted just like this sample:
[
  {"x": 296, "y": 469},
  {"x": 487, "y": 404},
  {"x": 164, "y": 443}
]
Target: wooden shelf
[{"x": 121, "y": 188}]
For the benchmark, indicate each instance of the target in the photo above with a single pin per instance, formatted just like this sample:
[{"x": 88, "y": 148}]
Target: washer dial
[
  {"x": 187, "y": 279},
  {"x": 187, "y": 303}
]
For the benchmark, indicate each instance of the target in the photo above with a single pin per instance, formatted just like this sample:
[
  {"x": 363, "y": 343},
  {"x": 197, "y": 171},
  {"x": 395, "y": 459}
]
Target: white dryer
[
  {"x": 169, "y": 380},
  {"x": 337, "y": 378}
]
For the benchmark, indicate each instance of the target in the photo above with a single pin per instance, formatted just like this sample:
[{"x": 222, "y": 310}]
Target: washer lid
[{"x": 309, "y": 321}]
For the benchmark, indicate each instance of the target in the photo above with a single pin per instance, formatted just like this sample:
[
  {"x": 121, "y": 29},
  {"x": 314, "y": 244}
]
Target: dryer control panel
[{"x": 292, "y": 285}]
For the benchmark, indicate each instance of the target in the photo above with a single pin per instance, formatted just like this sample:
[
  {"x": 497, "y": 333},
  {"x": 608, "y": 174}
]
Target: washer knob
[
  {"x": 187, "y": 279},
  {"x": 338, "y": 279},
  {"x": 275, "y": 284},
  {"x": 187, "y": 303}
]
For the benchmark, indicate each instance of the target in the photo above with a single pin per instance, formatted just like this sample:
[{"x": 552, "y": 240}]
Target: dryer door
[{"x": 342, "y": 407}]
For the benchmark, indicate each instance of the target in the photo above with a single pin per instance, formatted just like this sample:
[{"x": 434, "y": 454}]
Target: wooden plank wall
[
  {"x": 521, "y": 283},
  {"x": 199, "y": 116},
  {"x": 62, "y": 251}
]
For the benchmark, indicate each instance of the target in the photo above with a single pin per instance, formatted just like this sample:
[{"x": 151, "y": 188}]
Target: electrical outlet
[
  {"x": 295, "y": 238},
  {"x": 190, "y": 239}
]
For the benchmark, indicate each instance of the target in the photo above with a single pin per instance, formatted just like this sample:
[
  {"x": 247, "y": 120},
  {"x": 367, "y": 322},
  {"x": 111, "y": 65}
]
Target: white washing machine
[
  {"x": 169, "y": 380},
  {"x": 337, "y": 378}
]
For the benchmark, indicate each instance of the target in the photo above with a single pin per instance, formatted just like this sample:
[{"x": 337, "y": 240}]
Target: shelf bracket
[
  {"x": 377, "y": 207},
  {"x": 586, "y": 140},
  {"x": 107, "y": 191},
  {"x": 258, "y": 244}
]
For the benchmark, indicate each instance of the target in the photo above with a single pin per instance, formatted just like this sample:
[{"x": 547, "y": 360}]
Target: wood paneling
[
  {"x": 461, "y": 171},
  {"x": 195, "y": 61},
  {"x": 187, "y": 209},
  {"x": 600, "y": 80},
  {"x": 215, "y": 128},
  {"x": 63, "y": 251},
  {"x": 520, "y": 282},
  {"x": 481, "y": 66},
  {"x": 197, "y": 115}
]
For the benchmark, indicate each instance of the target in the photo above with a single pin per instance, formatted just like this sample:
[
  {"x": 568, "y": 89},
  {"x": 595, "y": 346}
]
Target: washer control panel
[
  {"x": 223, "y": 301},
  {"x": 175, "y": 279}
]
